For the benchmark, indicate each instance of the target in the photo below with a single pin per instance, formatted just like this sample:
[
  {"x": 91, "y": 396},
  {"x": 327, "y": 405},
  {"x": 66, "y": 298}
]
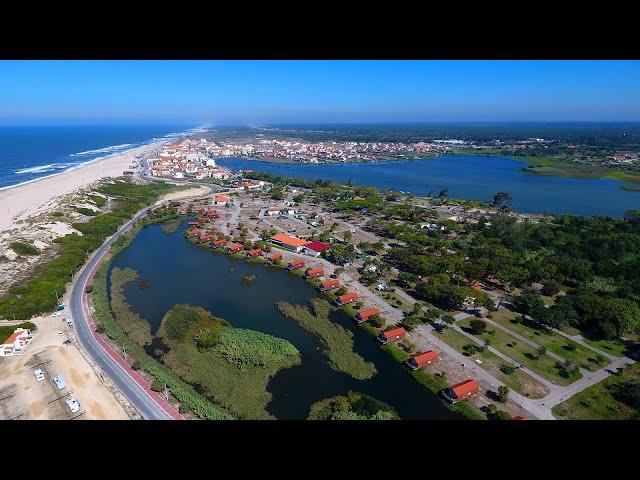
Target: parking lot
[{"x": 53, "y": 353}]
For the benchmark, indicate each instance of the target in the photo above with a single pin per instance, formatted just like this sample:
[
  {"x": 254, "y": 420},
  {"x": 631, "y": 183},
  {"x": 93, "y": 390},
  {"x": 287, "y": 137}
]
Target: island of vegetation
[
  {"x": 352, "y": 406},
  {"x": 337, "y": 342}
]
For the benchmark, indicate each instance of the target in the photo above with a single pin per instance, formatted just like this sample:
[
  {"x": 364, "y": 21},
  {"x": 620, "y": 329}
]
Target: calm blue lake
[{"x": 473, "y": 177}]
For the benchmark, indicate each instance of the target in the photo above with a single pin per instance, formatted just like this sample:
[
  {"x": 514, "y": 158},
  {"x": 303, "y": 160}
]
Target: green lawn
[
  {"x": 522, "y": 353},
  {"x": 612, "y": 347},
  {"x": 552, "y": 341},
  {"x": 599, "y": 402},
  {"x": 518, "y": 381}
]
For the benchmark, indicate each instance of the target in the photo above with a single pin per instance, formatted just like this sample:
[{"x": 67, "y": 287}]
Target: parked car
[
  {"x": 74, "y": 405},
  {"x": 59, "y": 382}
]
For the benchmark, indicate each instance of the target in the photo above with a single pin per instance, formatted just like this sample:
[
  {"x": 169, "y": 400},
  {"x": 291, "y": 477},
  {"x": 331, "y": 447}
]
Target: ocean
[{"x": 31, "y": 152}]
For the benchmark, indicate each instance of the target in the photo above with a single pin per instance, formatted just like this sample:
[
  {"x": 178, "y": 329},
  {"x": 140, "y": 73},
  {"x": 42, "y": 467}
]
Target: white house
[{"x": 16, "y": 343}]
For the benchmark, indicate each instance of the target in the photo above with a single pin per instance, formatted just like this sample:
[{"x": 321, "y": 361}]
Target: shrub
[
  {"x": 507, "y": 369},
  {"x": 503, "y": 393},
  {"x": 88, "y": 289},
  {"x": 477, "y": 326},
  {"x": 157, "y": 386},
  {"x": 23, "y": 248}
]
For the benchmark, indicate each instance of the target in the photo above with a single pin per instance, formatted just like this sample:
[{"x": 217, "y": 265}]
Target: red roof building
[
  {"x": 365, "y": 315},
  {"x": 193, "y": 233},
  {"x": 421, "y": 360},
  {"x": 295, "y": 264},
  {"x": 347, "y": 298},
  {"x": 221, "y": 242},
  {"x": 314, "y": 272},
  {"x": 288, "y": 242},
  {"x": 206, "y": 237},
  {"x": 329, "y": 284},
  {"x": 254, "y": 252},
  {"x": 275, "y": 257},
  {"x": 393, "y": 335},
  {"x": 193, "y": 224},
  {"x": 519, "y": 417},
  {"x": 213, "y": 213},
  {"x": 235, "y": 247},
  {"x": 461, "y": 391},
  {"x": 315, "y": 248}
]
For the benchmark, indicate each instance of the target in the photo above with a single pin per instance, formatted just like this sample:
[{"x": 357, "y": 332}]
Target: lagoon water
[
  {"x": 474, "y": 177},
  {"x": 179, "y": 272}
]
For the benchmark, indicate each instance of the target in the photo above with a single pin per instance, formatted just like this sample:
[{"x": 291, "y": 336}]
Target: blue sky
[{"x": 318, "y": 91}]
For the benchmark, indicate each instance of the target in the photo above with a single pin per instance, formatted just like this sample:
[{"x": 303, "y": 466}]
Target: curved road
[{"x": 150, "y": 404}]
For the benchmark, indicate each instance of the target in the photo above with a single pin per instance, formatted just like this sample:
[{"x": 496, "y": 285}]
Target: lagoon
[
  {"x": 179, "y": 272},
  {"x": 470, "y": 177}
]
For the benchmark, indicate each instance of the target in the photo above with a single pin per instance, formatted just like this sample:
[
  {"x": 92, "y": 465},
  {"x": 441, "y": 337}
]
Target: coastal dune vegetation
[{"x": 41, "y": 291}]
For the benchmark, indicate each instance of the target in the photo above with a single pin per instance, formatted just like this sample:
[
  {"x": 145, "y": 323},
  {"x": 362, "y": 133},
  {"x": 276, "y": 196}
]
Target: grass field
[
  {"x": 524, "y": 354},
  {"x": 553, "y": 342},
  {"x": 518, "y": 381},
  {"x": 600, "y": 402}
]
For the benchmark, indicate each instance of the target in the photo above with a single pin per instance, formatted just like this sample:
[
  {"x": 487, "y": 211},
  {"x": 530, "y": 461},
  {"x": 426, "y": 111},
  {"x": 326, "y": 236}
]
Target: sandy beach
[{"x": 22, "y": 201}]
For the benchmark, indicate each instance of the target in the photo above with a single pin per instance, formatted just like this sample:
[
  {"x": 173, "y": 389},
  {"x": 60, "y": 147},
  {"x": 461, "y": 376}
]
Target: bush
[
  {"x": 477, "y": 326},
  {"x": 136, "y": 365},
  {"x": 23, "y": 248},
  {"x": 88, "y": 289},
  {"x": 507, "y": 369},
  {"x": 157, "y": 386},
  {"x": 503, "y": 393}
]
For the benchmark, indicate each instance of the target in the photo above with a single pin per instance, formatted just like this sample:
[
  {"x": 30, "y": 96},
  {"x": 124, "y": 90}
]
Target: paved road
[{"x": 150, "y": 404}]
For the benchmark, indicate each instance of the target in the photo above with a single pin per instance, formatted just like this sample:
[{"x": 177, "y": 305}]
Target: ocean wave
[
  {"x": 113, "y": 148},
  {"x": 44, "y": 168}
]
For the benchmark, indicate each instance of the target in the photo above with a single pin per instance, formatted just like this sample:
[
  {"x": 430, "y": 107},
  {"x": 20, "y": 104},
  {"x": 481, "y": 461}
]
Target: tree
[
  {"x": 502, "y": 201},
  {"x": 443, "y": 192},
  {"x": 528, "y": 302},
  {"x": 503, "y": 393},
  {"x": 477, "y": 326},
  {"x": 551, "y": 287}
]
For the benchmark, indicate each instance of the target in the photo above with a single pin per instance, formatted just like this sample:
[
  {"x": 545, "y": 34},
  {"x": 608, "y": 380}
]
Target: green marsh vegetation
[
  {"x": 337, "y": 342},
  {"x": 190, "y": 399},
  {"x": 229, "y": 365}
]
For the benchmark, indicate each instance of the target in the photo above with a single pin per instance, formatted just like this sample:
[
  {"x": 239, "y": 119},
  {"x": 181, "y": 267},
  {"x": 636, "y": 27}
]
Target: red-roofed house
[
  {"x": 213, "y": 213},
  {"x": 314, "y": 272},
  {"x": 420, "y": 360},
  {"x": 347, "y": 298},
  {"x": 16, "y": 343},
  {"x": 329, "y": 284},
  {"x": 221, "y": 199},
  {"x": 235, "y": 247},
  {"x": 275, "y": 257},
  {"x": 206, "y": 237},
  {"x": 254, "y": 252},
  {"x": 392, "y": 335},
  {"x": 365, "y": 315},
  {"x": 315, "y": 248},
  {"x": 461, "y": 390},
  {"x": 193, "y": 233},
  {"x": 221, "y": 242},
  {"x": 295, "y": 264}
]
